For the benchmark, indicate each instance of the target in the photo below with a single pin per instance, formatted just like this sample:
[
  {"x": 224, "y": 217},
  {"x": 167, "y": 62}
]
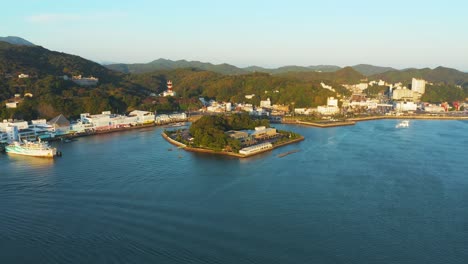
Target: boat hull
[{"x": 16, "y": 150}]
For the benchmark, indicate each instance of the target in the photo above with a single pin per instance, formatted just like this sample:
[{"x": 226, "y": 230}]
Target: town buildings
[{"x": 418, "y": 85}]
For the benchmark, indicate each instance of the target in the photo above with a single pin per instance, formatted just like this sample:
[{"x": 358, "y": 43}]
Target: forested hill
[
  {"x": 16, "y": 41},
  {"x": 346, "y": 75},
  {"x": 163, "y": 64},
  {"x": 227, "y": 69},
  {"x": 437, "y": 75},
  {"x": 37, "y": 61}
]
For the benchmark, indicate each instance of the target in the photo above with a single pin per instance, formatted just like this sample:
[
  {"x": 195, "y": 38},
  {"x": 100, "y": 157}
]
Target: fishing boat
[
  {"x": 404, "y": 123},
  {"x": 34, "y": 149}
]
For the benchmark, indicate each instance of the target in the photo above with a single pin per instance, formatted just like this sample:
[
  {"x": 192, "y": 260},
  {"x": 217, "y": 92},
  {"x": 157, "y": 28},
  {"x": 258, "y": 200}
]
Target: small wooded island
[{"x": 236, "y": 135}]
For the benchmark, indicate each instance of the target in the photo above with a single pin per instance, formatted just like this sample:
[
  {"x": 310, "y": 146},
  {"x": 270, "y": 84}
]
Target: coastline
[
  {"x": 231, "y": 154},
  {"x": 353, "y": 121}
]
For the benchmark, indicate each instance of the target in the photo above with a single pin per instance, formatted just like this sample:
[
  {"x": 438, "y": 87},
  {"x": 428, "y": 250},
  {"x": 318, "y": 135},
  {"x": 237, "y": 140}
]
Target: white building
[
  {"x": 249, "y": 96},
  {"x": 19, "y": 124},
  {"x": 165, "y": 119},
  {"x": 328, "y": 87},
  {"x": 142, "y": 117},
  {"x": 228, "y": 107},
  {"x": 328, "y": 110},
  {"x": 434, "y": 108},
  {"x": 418, "y": 85},
  {"x": 405, "y": 106},
  {"x": 85, "y": 81},
  {"x": 331, "y": 108},
  {"x": 23, "y": 76},
  {"x": 331, "y": 101},
  {"x": 256, "y": 148},
  {"x": 362, "y": 86},
  {"x": 265, "y": 103},
  {"x": 11, "y": 104},
  {"x": 405, "y": 94}
]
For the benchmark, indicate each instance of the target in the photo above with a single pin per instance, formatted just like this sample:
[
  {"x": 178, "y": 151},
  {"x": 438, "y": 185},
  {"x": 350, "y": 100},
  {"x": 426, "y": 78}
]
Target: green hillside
[
  {"x": 346, "y": 75},
  {"x": 163, "y": 64},
  {"x": 16, "y": 41},
  {"x": 369, "y": 70},
  {"x": 437, "y": 75},
  {"x": 52, "y": 94}
]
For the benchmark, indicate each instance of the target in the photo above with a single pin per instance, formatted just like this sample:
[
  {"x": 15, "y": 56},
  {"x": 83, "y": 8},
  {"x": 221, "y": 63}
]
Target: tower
[{"x": 169, "y": 86}]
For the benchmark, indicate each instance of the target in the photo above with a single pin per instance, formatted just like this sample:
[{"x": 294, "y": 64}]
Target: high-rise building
[{"x": 418, "y": 85}]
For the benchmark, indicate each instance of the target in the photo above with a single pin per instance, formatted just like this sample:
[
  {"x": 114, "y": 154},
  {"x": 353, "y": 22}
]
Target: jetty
[{"x": 288, "y": 153}]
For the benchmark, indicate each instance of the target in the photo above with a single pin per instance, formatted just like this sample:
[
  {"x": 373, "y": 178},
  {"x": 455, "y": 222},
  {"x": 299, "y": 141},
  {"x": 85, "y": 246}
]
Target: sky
[{"x": 397, "y": 33}]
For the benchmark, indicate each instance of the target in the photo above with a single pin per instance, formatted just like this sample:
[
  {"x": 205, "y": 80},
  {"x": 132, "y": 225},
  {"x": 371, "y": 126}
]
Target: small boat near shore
[{"x": 404, "y": 123}]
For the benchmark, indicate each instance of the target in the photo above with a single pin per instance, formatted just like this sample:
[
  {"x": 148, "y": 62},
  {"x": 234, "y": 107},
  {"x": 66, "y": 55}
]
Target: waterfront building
[
  {"x": 60, "y": 124},
  {"x": 433, "y": 108},
  {"x": 405, "y": 106},
  {"x": 418, "y": 85},
  {"x": 169, "y": 91},
  {"x": 256, "y": 148},
  {"x": 18, "y": 124},
  {"x": 331, "y": 108},
  {"x": 142, "y": 117},
  {"x": 328, "y": 110},
  {"x": 166, "y": 119},
  {"x": 3, "y": 137}
]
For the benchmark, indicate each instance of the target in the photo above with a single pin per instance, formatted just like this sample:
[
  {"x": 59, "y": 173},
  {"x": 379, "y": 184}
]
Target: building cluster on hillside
[
  {"x": 16, "y": 100},
  {"x": 11, "y": 130}
]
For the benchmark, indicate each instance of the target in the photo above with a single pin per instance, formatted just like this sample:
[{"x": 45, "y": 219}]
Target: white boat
[
  {"x": 34, "y": 149},
  {"x": 404, "y": 123}
]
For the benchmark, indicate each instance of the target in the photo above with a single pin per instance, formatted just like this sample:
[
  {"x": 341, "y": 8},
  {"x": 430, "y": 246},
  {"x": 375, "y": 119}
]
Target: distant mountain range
[
  {"x": 20, "y": 55},
  {"x": 227, "y": 69},
  {"x": 16, "y": 41}
]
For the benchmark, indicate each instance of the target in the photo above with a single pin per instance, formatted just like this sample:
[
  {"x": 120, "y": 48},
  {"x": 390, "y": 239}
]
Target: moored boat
[
  {"x": 404, "y": 123},
  {"x": 34, "y": 149}
]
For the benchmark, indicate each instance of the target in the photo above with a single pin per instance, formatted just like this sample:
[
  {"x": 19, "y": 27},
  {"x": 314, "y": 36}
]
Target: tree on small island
[{"x": 209, "y": 131}]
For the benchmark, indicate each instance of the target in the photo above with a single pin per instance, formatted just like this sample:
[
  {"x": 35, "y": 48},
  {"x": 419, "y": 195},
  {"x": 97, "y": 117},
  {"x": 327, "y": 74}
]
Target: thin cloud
[
  {"x": 60, "y": 18},
  {"x": 50, "y": 18}
]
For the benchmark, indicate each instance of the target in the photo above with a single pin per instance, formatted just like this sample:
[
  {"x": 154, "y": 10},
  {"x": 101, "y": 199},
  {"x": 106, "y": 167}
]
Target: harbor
[{"x": 24, "y": 138}]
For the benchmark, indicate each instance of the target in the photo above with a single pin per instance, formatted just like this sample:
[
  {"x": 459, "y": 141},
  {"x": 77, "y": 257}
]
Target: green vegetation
[
  {"x": 208, "y": 131},
  {"x": 437, "y": 75},
  {"x": 119, "y": 92},
  {"x": 373, "y": 91},
  {"x": 444, "y": 93}
]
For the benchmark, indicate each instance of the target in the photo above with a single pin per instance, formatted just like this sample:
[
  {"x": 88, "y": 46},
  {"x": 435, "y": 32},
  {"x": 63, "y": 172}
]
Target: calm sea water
[{"x": 368, "y": 193}]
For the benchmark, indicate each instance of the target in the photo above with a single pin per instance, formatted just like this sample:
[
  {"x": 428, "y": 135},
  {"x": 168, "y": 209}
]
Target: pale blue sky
[{"x": 266, "y": 33}]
